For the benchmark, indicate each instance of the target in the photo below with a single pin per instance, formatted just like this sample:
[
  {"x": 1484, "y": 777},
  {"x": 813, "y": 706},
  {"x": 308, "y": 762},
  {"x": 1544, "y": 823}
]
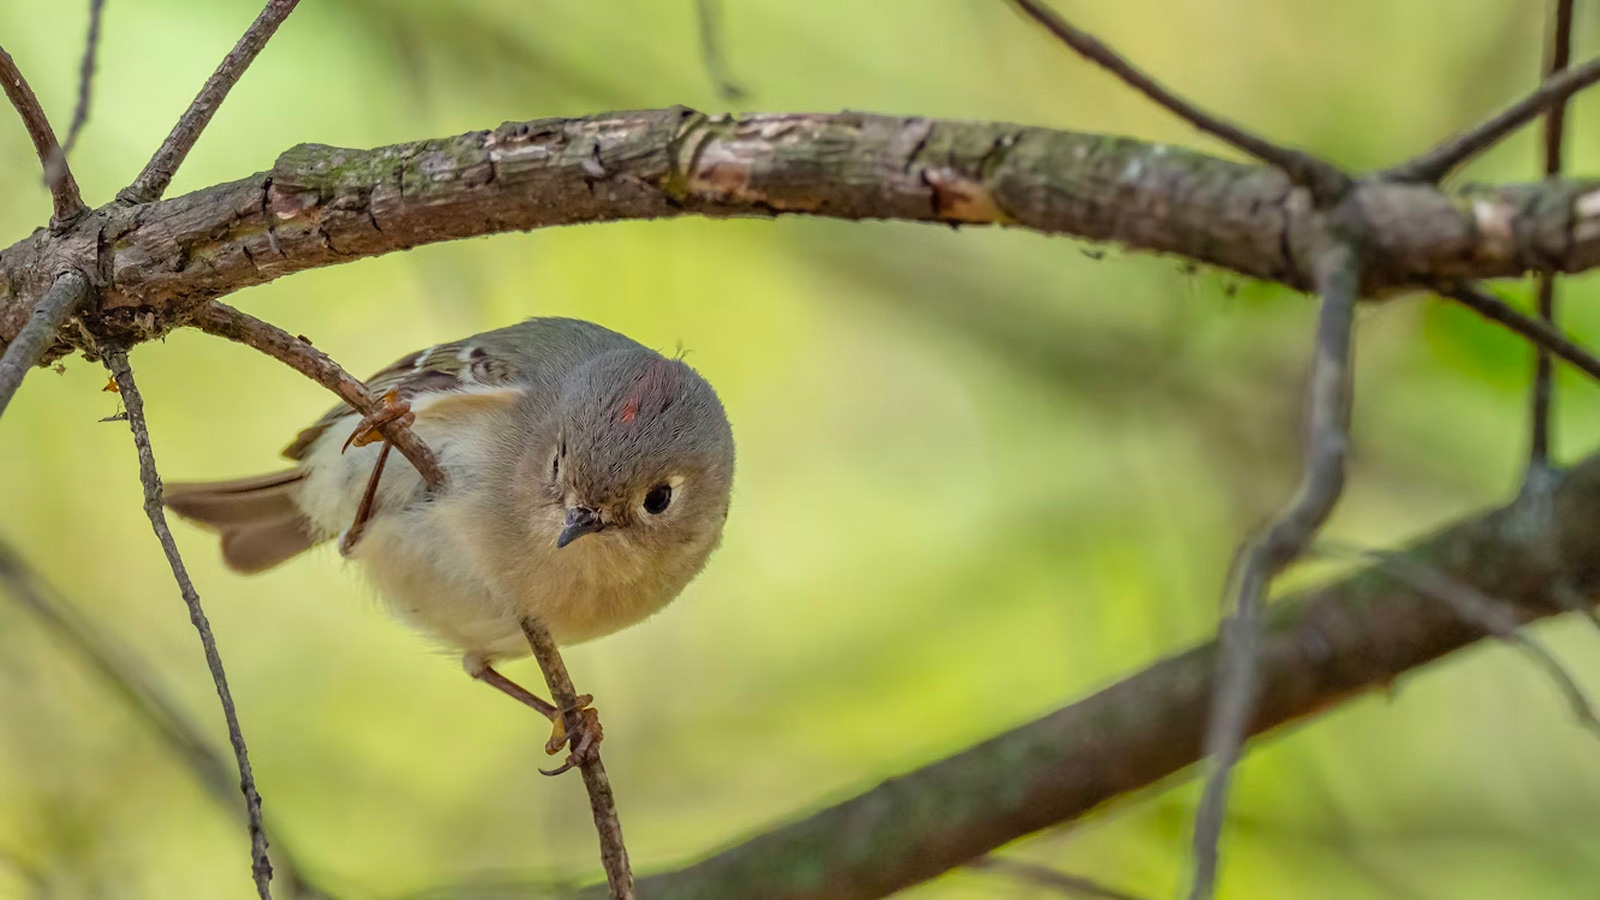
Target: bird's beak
[{"x": 581, "y": 520}]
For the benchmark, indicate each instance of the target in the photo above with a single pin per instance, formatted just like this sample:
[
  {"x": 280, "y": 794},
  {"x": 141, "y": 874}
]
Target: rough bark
[{"x": 155, "y": 263}]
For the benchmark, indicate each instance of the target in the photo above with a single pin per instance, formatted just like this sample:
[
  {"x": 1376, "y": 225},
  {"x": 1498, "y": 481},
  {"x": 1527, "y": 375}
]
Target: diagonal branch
[
  {"x": 602, "y": 802},
  {"x": 69, "y": 292},
  {"x": 1048, "y": 879},
  {"x": 1325, "y": 180},
  {"x": 1558, "y": 55},
  {"x": 1263, "y": 557},
  {"x": 261, "y": 865},
  {"x": 1493, "y": 616},
  {"x": 1318, "y": 649},
  {"x": 1432, "y": 166},
  {"x": 58, "y": 178},
  {"x": 91, "y": 47},
  {"x": 225, "y": 321},
  {"x": 158, "y": 172},
  {"x": 1540, "y": 333},
  {"x": 138, "y": 690}
]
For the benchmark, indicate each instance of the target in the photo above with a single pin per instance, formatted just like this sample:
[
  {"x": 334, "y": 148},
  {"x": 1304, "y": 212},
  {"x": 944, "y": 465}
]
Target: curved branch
[
  {"x": 323, "y": 206},
  {"x": 1317, "y": 650},
  {"x": 57, "y": 175}
]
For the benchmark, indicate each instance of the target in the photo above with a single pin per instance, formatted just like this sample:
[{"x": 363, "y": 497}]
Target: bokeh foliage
[{"x": 981, "y": 472}]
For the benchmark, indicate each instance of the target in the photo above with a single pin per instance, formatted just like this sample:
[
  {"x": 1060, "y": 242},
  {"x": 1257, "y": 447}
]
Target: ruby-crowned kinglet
[{"x": 589, "y": 482}]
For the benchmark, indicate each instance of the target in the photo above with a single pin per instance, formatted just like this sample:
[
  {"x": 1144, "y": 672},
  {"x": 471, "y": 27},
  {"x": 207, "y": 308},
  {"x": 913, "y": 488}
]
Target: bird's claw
[
  {"x": 391, "y": 409},
  {"x": 584, "y": 740}
]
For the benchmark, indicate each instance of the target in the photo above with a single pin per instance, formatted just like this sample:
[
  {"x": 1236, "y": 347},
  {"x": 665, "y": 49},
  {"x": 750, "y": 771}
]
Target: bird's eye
[
  {"x": 555, "y": 466},
  {"x": 659, "y": 498}
]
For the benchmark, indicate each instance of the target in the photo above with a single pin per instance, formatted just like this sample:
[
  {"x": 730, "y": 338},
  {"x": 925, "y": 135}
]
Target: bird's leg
[
  {"x": 391, "y": 409},
  {"x": 369, "y": 499},
  {"x": 585, "y": 739}
]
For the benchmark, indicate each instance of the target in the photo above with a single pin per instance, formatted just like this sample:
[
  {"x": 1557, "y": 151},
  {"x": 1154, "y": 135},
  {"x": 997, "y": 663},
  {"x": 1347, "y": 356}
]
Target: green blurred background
[{"x": 981, "y": 473}]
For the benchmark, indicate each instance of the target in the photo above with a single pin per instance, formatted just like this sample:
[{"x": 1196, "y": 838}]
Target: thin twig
[
  {"x": 709, "y": 13},
  {"x": 158, "y": 172},
  {"x": 1432, "y": 166},
  {"x": 69, "y": 292},
  {"x": 602, "y": 803},
  {"x": 1541, "y": 334},
  {"x": 117, "y": 362},
  {"x": 1325, "y": 180},
  {"x": 140, "y": 692},
  {"x": 1048, "y": 878},
  {"x": 58, "y": 178},
  {"x": 225, "y": 321},
  {"x": 1557, "y": 56},
  {"x": 80, "y": 113},
  {"x": 1338, "y": 276},
  {"x": 1478, "y": 609}
]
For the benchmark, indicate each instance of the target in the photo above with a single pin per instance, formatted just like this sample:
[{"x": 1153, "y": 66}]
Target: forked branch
[{"x": 1557, "y": 57}]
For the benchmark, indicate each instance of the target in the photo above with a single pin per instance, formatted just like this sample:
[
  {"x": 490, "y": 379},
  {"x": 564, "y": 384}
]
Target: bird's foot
[
  {"x": 390, "y": 409},
  {"x": 584, "y": 739}
]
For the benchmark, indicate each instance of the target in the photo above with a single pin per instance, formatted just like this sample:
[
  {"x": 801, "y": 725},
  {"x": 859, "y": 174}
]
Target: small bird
[{"x": 590, "y": 478}]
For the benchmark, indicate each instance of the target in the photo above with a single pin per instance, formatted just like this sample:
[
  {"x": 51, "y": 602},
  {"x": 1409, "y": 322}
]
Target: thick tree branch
[
  {"x": 1317, "y": 650},
  {"x": 602, "y": 802},
  {"x": 58, "y": 176},
  {"x": 69, "y": 292},
  {"x": 1325, "y": 180},
  {"x": 261, "y": 864},
  {"x": 158, "y": 172},
  {"x": 323, "y": 206},
  {"x": 298, "y": 354}
]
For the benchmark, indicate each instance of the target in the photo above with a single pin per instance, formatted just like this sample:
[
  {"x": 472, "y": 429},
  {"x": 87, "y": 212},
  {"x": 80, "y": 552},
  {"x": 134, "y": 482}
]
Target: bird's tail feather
[{"x": 259, "y": 521}]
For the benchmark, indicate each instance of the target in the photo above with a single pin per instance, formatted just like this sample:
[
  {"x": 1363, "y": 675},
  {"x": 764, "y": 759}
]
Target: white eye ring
[{"x": 660, "y": 497}]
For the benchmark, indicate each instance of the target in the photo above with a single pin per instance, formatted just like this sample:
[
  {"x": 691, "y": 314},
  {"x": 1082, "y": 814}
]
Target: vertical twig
[
  {"x": 158, "y": 172},
  {"x": 709, "y": 14},
  {"x": 117, "y": 362},
  {"x": 1557, "y": 56},
  {"x": 139, "y": 690},
  {"x": 613, "y": 852},
  {"x": 91, "y": 46},
  {"x": 63, "y": 187},
  {"x": 68, "y": 293},
  {"x": 1338, "y": 277}
]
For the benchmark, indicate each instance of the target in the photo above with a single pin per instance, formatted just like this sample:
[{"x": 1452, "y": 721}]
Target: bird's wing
[{"x": 441, "y": 368}]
